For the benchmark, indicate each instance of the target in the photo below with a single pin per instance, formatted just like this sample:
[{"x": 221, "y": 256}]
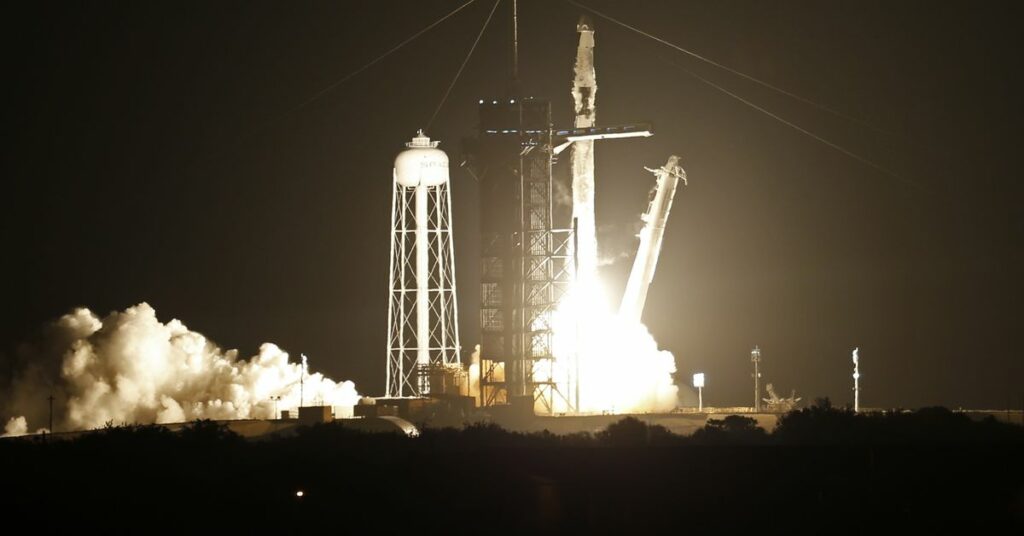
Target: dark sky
[{"x": 151, "y": 156}]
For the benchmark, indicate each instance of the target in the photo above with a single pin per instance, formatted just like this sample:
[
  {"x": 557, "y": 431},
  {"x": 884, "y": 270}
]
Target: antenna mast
[
  {"x": 856, "y": 380},
  {"x": 302, "y": 383},
  {"x": 515, "y": 40}
]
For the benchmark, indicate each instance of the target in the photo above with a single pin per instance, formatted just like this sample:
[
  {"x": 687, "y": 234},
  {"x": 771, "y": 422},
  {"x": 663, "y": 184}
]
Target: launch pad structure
[
  {"x": 530, "y": 255},
  {"x": 525, "y": 260}
]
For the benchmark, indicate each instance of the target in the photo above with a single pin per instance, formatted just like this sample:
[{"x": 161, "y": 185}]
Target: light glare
[{"x": 621, "y": 369}]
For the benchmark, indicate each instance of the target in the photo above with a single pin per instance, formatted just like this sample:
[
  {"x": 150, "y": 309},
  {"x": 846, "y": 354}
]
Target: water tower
[{"x": 423, "y": 335}]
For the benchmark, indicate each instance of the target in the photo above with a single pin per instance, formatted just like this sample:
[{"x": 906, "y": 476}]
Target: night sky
[{"x": 155, "y": 153}]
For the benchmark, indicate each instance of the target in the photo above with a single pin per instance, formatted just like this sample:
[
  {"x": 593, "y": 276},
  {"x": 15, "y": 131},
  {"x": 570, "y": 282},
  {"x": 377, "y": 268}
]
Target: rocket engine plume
[
  {"x": 621, "y": 368},
  {"x": 131, "y": 368},
  {"x": 609, "y": 362}
]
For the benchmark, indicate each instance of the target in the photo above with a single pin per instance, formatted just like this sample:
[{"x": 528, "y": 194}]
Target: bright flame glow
[
  {"x": 621, "y": 369},
  {"x": 612, "y": 362}
]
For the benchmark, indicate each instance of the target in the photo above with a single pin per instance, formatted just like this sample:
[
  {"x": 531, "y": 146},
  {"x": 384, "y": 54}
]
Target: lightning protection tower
[{"x": 423, "y": 335}]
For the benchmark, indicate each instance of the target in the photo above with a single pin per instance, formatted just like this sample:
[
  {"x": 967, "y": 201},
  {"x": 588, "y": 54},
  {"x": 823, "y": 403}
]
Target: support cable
[
  {"x": 745, "y": 76},
  {"x": 790, "y": 124},
  {"x": 463, "y": 66},
  {"x": 800, "y": 129},
  {"x": 394, "y": 49}
]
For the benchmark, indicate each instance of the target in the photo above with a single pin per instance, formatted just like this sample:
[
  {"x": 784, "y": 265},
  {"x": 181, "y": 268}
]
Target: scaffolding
[{"x": 526, "y": 263}]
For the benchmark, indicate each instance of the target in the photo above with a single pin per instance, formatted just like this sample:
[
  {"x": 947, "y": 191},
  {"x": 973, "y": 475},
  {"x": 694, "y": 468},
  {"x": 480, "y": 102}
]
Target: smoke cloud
[
  {"x": 16, "y": 426},
  {"x": 131, "y": 368},
  {"x": 617, "y": 242},
  {"x": 562, "y": 194}
]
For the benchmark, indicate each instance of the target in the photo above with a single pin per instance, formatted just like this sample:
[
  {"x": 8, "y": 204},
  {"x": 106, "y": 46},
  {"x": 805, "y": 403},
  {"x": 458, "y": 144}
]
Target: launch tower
[
  {"x": 525, "y": 260},
  {"x": 526, "y": 249}
]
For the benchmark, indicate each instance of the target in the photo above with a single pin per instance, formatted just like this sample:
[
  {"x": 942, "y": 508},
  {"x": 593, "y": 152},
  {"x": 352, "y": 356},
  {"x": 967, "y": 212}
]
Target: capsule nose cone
[{"x": 584, "y": 25}]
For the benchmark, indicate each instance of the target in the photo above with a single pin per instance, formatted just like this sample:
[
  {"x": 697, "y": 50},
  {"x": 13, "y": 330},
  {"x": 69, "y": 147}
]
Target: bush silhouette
[
  {"x": 207, "y": 432},
  {"x": 630, "y": 432},
  {"x": 733, "y": 429}
]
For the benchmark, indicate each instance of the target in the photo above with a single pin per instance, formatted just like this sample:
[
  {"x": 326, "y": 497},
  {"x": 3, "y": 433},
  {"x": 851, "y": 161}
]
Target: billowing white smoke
[
  {"x": 131, "y": 368},
  {"x": 16, "y": 426}
]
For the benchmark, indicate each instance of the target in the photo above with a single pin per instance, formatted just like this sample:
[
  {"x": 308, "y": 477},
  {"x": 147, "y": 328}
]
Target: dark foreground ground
[{"x": 820, "y": 471}]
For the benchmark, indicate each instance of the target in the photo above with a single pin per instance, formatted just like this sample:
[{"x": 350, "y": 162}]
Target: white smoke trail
[
  {"x": 608, "y": 259},
  {"x": 129, "y": 367}
]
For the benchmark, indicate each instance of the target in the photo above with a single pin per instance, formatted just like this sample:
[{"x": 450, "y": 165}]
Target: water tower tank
[
  {"x": 422, "y": 312},
  {"x": 421, "y": 163}
]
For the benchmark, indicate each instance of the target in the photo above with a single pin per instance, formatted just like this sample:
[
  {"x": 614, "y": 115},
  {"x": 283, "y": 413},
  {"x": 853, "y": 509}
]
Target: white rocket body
[
  {"x": 584, "y": 90},
  {"x": 642, "y": 274}
]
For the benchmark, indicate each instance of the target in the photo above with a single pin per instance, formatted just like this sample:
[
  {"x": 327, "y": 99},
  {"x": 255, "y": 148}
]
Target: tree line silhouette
[{"x": 820, "y": 469}]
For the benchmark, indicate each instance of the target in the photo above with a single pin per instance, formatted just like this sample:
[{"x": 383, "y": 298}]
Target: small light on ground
[{"x": 300, "y": 493}]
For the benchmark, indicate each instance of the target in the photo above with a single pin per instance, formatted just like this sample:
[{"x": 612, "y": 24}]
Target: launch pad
[{"x": 532, "y": 355}]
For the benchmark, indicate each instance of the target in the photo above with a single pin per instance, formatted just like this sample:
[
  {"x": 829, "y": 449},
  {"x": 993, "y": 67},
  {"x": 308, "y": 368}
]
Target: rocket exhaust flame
[
  {"x": 621, "y": 369},
  {"x": 608, "y": 361},
  {"x": 130, "y": 367}
]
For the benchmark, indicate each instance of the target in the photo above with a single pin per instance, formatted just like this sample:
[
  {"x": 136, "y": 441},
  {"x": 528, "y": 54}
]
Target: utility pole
[
  {"x": 755, "y": 358},
  {"x": 50, "y": 399},
  {"x": 698, "y": 382},
  {"x": 515, "y": 41},
  {"x": 276, "y": 399},
  {"x": 302, "y": 382},
  {"x": 856, "y": 381}
]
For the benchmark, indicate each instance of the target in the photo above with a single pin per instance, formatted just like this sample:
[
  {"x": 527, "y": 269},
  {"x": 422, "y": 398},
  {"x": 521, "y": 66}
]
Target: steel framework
[
  {"x": 526, "y": 263},
  {"x": 422, "y": 310}
]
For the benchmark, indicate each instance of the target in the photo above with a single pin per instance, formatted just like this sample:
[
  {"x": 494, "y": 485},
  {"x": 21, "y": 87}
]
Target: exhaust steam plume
[{"x": 129, "y": 367}]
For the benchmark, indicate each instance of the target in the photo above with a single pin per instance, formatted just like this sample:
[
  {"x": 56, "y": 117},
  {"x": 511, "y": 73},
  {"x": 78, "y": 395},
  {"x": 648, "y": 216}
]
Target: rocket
[
  {"x": 584, "y": 89},
  {"x": 640, "y": 277},
  {"x": 584, "y": 84}
]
